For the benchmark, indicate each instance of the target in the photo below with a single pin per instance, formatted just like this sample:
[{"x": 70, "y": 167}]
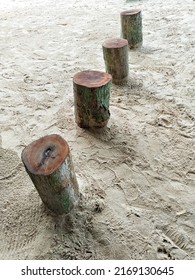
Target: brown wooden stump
[
  {"x": 131, "y": 27},
  {"x": 48, "y": 163},
  {"x": 91, "y": 98},
  {"x": 115, "y": 53}
]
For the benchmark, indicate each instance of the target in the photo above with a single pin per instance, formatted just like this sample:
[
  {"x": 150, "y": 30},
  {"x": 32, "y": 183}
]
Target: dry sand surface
[{"x": 137, "y": 176}]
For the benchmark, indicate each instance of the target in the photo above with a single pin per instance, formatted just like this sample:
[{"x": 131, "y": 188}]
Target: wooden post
[
  {"x": 131, "y": 27},
  {"x": 48, "y": 163},
  {"x": 115, "y": 53},
  {"x": 91, "y": 98}
]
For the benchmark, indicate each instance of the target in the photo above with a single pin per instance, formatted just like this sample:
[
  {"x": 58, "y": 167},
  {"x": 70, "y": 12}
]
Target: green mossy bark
[
  {"x": 92, "y": 105},
  {"x": 59, "y": 191},
  {"x": 131, "y": 26},
  {"x": 116, "y": 62}
]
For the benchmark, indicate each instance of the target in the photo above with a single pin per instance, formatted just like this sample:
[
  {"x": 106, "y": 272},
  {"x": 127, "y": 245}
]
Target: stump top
[
  {"x": 115, "y": 43},
  {"x": 45, "y": 155},
  {"x": 91, "y": 79},
  {"x": 130, "y": 12}
]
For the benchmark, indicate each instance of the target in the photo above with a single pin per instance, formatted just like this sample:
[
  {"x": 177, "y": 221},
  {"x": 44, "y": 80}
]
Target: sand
[{"x": 136, "y": 176}]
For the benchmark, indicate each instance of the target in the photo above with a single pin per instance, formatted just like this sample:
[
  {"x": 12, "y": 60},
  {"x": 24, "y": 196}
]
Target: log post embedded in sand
[
  {"x": 91, "y": 98},
  {"x": 131, "y": 28},
  {"x": 48, "y": 163},
  {"x": 115, "y": 52}
]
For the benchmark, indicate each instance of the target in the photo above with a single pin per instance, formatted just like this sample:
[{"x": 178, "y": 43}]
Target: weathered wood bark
[
  {"x": 131, "y": 28},
  {"x": 48, "y": 163},
  {"x": 91, "y": 98},
  {"x": 115, "y": 52}
]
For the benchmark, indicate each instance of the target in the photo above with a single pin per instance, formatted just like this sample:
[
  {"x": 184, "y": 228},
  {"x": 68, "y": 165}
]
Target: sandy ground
[{"x": 137, "y": 176}]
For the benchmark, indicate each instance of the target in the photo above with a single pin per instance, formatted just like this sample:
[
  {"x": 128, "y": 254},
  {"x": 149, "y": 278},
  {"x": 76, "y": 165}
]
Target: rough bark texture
[
  {"x": 131, "y": 28},
  {"x": 115, "y": 52},
  {"x": 48, "y": 163},
  {"x": 91, "y": 98}
]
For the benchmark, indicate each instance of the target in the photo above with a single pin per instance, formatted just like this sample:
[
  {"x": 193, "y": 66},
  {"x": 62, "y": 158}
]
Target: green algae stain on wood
[
  {"x": 131, "y": 27},
  {"x": 55, "y": 179},
  {"x": 92, "y": 103},
  {"x": 115, "y": 54}
]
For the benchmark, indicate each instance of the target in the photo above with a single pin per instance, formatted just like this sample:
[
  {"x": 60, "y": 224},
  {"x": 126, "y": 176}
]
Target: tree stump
[
  {"x": 115, "y": 52},
  {"x": 131, "y": 28},
  {"x": 91, "y": 98},
  {"x": 48, "y": 163}
]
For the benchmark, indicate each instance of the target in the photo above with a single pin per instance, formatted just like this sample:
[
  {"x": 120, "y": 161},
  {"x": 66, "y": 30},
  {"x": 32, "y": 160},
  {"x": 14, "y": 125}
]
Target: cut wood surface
[
  {"x": 91, "y": 98},
  {"x": 131, "y": 27},
  {"x": 49, "y": 165},
  {"x": 115, "y": 52}
]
